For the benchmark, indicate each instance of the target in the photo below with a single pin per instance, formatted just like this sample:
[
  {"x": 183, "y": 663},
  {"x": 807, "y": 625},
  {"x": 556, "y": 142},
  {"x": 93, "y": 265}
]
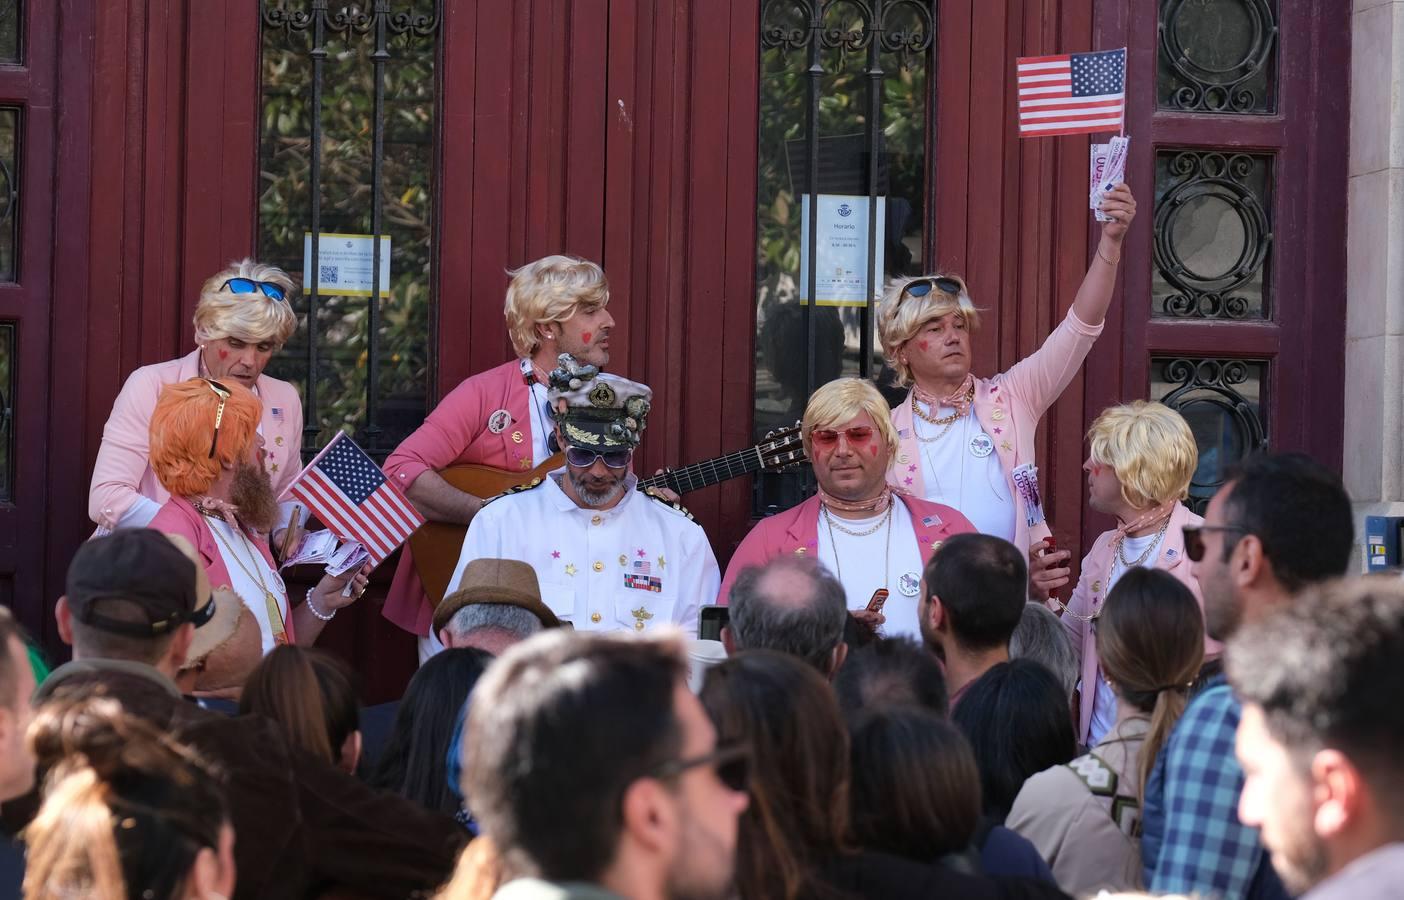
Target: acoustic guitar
[{"x": 436, "y": 545}]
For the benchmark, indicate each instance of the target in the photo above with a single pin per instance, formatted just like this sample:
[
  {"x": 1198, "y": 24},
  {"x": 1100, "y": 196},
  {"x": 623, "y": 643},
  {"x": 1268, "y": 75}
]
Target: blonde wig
[
  {"x": 552, "y": 289},
  {"x": 901, "y": 316},
  {"x": 1150, "y": 448},
  {"x": 843, "y": 400},
  {"x": 254, "y": 317},
  {"x": 183, "y": 425}
]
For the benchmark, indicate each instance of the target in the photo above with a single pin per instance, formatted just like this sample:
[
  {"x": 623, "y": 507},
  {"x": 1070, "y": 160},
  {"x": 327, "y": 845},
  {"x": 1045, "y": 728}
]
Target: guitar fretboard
[{"x": 732, "y": 465}]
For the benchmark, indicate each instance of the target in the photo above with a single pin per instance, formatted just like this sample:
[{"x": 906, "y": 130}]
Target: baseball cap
[
  {"x": 507, "y": 581},
  {"x": 156, "y": 574}
]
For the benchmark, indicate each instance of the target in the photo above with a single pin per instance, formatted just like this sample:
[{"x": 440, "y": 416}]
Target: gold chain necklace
[
  {"x": 886, "y": 551},
  {"x": 275, "y": 609},
  {"x": 947, "y": 421},
  {"x": 1140, "y": 560}
]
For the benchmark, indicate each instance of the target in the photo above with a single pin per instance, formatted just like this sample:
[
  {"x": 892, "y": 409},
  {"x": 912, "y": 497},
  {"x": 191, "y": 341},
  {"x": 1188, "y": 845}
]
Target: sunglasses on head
[
  {"x": 583, "y": 458},
  {"x": 1194, "y": 538},
  {"x": 249, "y": 286},
  {"x": 223, "y": 393},
  {"x": 730, "y": 762},
  {"x": 828, "y": 437}
]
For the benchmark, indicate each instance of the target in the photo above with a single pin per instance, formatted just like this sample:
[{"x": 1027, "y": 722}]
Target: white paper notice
[
  {"x": 345, "y": 263},
  {"x": 842, "y": 250}
]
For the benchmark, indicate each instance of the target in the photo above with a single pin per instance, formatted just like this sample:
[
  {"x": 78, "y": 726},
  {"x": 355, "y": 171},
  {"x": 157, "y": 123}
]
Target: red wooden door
[
  {"x": 1234, "y": 296},
  {"x": 28, "y": 53}
]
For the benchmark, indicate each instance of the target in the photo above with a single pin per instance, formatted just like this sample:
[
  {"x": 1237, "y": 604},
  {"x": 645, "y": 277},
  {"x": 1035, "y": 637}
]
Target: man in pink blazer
[
  {"x": 871, "y": 539},
  {"x": 498, "y": 418},
  {"x": 961, "y": 437},
  {"x": 1140, "y": 461},
  {"x": 242, "y": 319}
]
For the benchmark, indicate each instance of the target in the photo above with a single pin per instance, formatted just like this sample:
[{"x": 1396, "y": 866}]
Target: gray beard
[{"x": 595, "y": 498}]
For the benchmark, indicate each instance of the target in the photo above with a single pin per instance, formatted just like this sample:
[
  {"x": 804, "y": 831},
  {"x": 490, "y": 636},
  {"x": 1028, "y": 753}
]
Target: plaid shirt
[{"x": 1192, "y": 840}]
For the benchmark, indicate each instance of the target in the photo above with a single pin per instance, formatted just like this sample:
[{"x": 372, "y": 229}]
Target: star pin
[
  {"x": 555, "y": 554},
  {"x": 662, "y": 563},
  {"x": 570, "y": 569}
]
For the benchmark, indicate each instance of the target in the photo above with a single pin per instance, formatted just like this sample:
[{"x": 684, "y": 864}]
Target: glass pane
[
  {"x": 1213, "y": 233},
  {"x": 7, "y": 399},
  {"x": 9, "y": 190},
  {"x": 1218, "y": 56},
  {"x": 11, "y": 17},
  {"x": 1224, "y": 401},
  {"x": 847, "y": 168},
  {"x": 346, "y": 196}
]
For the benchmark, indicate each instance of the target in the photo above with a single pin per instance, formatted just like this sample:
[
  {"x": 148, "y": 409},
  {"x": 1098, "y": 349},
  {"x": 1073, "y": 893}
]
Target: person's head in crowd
[
  {"x": 600, "y": 735},
  {"x": 892, "y": 672},
  {"x": 204, "y": 442},
  {"x": 224, "y": 651},
  {"x": 916, "y": 788},
  {"x": 497, "y": 604},
  {"x": 243, "y": 317},
  {"x": 134, "y": 595},
  {"x": 413, "y": 762},
  {"x": 1279, "y": 523},
  {"x": 16, "y": 687},
  {"x": 1322, "y": 726},
  {"x": 973, "y": 592},
  {"x": 1141, "y": 457},
  {"x": 1016, "y": 719},
  {"x": 310, "y": 693},
  {"x": 850, "y": 439},
  {"x": 557, "y": 304},
  {"x": 1150, "y": 640},
  {"x": 798, "y": 818},
  {"x": 1042, "y": 638},
  {"x": 127, "y": 811},
  {"x": 790, "y": 605}
]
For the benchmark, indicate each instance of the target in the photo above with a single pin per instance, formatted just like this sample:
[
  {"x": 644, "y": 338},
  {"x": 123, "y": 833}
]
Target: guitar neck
[{"x": 708, "y": 472}]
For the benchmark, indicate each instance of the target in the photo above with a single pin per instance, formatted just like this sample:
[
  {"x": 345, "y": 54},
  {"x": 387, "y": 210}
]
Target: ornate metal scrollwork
[
  {"x": 904, "y": 27},
  {"x": 1225, "y": 178},
  {"x": 1214, "y": 382},
  {"x": 1204, "y": 87},
  {"x": 349, "y": 19}
]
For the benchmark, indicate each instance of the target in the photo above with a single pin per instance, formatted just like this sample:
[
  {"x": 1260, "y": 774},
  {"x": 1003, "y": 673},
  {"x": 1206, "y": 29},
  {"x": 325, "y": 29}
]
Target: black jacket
[{"x": 880, "y": 876}]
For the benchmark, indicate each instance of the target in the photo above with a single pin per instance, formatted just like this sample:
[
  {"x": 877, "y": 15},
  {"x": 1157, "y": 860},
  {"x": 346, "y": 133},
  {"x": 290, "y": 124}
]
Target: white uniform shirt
[
  {"x": 956, "y": 473},
  {"x": 638, "y": 566},
  {"x": 1104, "y": 699},
  {"x": 863, "y": 567}
]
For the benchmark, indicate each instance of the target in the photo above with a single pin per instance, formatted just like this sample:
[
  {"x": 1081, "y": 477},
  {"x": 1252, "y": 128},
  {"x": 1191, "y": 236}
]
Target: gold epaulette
[
  {"x": 671, "y": 504},
  {"x": 534, "y": 483}
]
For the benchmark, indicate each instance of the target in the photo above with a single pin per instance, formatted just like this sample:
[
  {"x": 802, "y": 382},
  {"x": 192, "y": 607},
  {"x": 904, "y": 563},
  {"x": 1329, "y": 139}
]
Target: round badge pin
[
  {"x": 498, "y": 421},
  {"x": 909, "y": 584},
  {"x": 981, "y": 446}
]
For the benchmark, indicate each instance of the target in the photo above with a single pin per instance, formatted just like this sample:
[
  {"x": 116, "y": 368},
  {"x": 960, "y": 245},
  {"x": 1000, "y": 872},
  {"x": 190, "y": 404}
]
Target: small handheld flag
[
  {"x": 1072, "y": 93},
  {"x": 347, "y": 491}
]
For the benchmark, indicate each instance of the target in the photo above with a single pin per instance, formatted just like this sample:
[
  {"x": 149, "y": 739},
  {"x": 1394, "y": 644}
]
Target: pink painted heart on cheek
[
  {"x": 224, "y": 354},
  {"x": 924, "y": 345},
  {"x": 586, "y": 335}
]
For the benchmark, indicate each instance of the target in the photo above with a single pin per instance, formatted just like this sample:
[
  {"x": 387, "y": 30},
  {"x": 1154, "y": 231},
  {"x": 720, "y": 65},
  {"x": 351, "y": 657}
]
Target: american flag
[
  {"x": 1074, "y": 93},
  {"x": 348, "y": 492}
]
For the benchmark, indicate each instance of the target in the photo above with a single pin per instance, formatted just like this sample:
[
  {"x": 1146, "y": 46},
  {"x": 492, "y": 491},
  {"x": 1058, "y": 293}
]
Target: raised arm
[{"x": 1094, "y": 296}]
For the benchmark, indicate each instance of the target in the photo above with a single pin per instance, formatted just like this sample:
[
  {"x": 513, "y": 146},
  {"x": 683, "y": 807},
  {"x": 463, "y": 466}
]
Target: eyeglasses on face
[
  {"x": 583, "y": 458},
  {"x": 1194, "y": 538},
  {"x": 223, "y": 393},
  {"x": 828, "y": 437},
  {"x": 730, "y": 762},
  {"x": 249, "y": 286}
]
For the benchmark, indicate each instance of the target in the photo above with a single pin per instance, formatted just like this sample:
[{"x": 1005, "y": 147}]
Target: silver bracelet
[{"x": 312, "y": 608}]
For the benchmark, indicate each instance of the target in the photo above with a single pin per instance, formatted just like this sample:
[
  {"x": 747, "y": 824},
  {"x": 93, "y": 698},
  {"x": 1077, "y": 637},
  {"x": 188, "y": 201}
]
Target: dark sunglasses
[
  {"x": 223, "y": 393},
  {"x": 583, "y": 458},
  {"x": 249, "y": 286},
  {"x": 731, "y": 763},
  {"x": 920, "y": 287},
  {"x": 828, "y": 437},
  {"x": 1194, "y": 538}
]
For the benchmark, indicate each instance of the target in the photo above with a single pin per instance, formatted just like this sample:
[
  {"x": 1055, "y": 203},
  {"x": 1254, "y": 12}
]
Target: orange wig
[{"x": 183, "y": 426}]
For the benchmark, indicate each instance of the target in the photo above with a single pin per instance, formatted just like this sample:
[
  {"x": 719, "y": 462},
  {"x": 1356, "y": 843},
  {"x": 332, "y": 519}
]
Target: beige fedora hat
[{"x": 508, "y": 581}]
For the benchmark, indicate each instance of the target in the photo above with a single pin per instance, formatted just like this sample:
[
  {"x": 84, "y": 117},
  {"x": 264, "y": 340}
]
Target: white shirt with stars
[{"x": 635, "y": 567}]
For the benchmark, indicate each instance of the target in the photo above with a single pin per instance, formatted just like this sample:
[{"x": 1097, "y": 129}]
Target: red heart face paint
[
  {"x": 586, "y": 335},
  {"x": 924, "y": 345},
  {"x": 223, "y": 354}
]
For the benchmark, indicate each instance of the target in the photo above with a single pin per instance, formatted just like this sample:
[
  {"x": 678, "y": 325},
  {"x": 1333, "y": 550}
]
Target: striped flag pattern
[
  {"x": 349, "y": 493},
  {"x": 1073, "y": 93}
]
